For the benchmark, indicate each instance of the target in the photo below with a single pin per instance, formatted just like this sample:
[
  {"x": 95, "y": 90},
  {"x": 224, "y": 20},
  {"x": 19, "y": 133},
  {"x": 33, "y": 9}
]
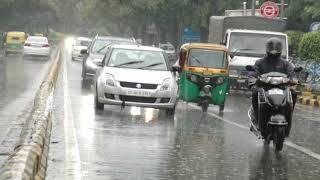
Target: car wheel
[
  {"x": 98, "y": 105},
  {"x": 170, "y": 112}
]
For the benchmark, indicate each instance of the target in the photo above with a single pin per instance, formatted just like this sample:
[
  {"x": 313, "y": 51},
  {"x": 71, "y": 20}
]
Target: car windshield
[
  {"x": 207, "y": 58},
  {"x": 138, "y": 59},
  {"x": 253, "y": 44},
  {"x": 100, "y": 44}
]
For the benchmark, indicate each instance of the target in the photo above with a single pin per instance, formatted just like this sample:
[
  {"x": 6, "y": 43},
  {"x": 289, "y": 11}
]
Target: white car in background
[
  {"x": 134, "y": 75},
  {"x": 36, "y": 46},
  {"x": 80, "y": 44}
]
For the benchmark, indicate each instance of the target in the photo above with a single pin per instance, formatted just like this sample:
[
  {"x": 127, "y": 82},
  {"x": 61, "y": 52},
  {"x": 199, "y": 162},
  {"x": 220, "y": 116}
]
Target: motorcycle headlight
[
  {"x": 220, "y": 80},
  {"x": 110, "y": 81},
  {"x": 165, "y": 85},
  {"x": 233, "y": 73}
]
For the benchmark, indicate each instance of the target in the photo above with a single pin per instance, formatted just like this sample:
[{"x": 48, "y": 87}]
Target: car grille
[
  {"x": 138, "y": 99},
  {"x": 165, "y": 100},
  {"x": 138, "y": 85}
]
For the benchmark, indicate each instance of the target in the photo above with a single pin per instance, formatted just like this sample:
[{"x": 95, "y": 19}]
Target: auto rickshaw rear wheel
[
  {"x": 205, "y": 105},
  {"x": 221, "y": 108}
]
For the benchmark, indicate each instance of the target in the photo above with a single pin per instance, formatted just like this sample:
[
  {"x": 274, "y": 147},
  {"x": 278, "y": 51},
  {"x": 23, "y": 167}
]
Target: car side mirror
[
  {"x": 231, "y": 55},
  {"x": 100, "y": 64},
  {"x": 298, "y": 69},
  {"x": 175, "y": 68},
  {"x": 83, "y": 51},
  {"x": 250, "y": 68}
]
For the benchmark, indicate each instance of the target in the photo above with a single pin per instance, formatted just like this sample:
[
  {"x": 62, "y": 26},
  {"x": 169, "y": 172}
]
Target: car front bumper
[{"x": 119, "y": 96}]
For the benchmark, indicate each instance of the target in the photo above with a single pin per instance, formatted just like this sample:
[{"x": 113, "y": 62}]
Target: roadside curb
[
  {"x": 29, "y": 159},
  {"x": 307, "y": 98}
]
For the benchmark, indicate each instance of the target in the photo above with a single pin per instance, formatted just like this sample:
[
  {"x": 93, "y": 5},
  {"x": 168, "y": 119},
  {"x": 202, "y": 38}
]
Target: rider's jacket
[{"x": 266, "y": 65}]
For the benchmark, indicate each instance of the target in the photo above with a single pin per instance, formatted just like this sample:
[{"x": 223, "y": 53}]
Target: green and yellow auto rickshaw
[
  {"x": 13, "y": 42},
  {"x": 204, "y": 74}
]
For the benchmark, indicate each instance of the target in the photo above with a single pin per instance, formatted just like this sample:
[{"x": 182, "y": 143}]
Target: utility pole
[
  {"x": 282, "y": 9},
  {"x": 253, "y": 7}
]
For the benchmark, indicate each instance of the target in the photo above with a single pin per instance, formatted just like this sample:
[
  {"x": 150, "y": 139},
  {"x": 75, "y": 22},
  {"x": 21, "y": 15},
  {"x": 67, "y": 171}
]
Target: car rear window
[{"x": 37, "y": 39}]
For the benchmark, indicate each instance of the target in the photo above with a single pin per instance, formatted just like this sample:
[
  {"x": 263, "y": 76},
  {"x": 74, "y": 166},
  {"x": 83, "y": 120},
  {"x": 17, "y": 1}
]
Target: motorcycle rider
[{"x": 272, "y": 62}]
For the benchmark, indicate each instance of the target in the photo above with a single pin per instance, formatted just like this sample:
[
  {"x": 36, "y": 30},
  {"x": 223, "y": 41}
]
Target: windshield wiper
[
  {"x": 151, "y": 65},
  {"x": 128, "y": 63},
  {"x": 244, "y": 49},
  {"x": 103, "y": 48},
  {"x": 198, "y": 61}
]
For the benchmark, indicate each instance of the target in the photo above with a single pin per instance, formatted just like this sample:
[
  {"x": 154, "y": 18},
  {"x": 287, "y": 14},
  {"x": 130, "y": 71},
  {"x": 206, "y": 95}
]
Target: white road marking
[
  {"x": 288, "y": 143},
  {"x": 72, "y": 155}
]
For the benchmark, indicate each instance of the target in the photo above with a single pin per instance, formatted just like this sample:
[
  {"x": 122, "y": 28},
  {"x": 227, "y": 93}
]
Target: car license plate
[
  {"x": 36, "y": 45},
  {"x": 139, "y": 93},
  {"x": 275, "y": 92}
]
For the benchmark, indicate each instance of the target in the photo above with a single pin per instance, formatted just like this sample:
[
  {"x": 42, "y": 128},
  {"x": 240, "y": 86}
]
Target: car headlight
[
  {"x": 110, "y": 81},
  {"x": 166, "y": 85},
  {"x": 220, "y": 80},
  {"x": 233, "y": 73}
]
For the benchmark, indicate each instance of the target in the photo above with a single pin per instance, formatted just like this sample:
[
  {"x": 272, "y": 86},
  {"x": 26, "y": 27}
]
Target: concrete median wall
[
  {"x": 29, "y": 159},
  {"x": 307, "y": 98}
]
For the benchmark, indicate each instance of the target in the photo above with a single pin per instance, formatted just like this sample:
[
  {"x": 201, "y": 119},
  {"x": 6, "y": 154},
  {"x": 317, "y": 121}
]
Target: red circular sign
[{"x": 269, "y": 9}]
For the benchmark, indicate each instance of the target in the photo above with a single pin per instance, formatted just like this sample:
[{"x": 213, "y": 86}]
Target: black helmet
[{"x": 274, "y": 47}]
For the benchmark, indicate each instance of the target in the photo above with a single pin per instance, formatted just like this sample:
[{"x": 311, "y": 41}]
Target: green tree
[{"x": 310, "y": 45}]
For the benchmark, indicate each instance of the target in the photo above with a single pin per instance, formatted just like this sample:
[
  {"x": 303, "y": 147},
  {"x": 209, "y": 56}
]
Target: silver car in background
[
  {"x": 170, "y": 51},
  {"x": 134, "y": 75},
  {"x": 95, "y": 53},
  {"x": 80, "y": 43}
]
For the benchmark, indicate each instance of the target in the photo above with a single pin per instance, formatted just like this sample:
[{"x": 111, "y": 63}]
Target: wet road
[
  {"x": 19, "y": 81},
  {"x": 137, "y": 143}
]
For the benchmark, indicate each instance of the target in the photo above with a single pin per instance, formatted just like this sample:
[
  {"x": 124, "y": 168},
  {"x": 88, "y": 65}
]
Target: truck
[{"x": 245, "y": 37}]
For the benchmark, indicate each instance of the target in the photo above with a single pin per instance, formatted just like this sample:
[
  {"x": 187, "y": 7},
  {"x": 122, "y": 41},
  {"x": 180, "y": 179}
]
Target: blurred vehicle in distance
[
  {"x": 13, "y": 42},
  {"x": 170, "y": 51},
  {"x": 95, "y": 53},
  {"x": 36, "y": 46},
  {"x": 80, "y": 44},
  {"x": 134, "y": 75}
]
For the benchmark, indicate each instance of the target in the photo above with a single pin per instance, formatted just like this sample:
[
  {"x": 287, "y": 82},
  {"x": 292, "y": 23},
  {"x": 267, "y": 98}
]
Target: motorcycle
[{"x": 275, "y": 107}]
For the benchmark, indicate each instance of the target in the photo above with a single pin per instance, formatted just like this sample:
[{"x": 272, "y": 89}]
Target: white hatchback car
[
  {"x": 79, "y": 44},
  {"x": 133, "y": 75},
  {"x": 36, "y": 46}
]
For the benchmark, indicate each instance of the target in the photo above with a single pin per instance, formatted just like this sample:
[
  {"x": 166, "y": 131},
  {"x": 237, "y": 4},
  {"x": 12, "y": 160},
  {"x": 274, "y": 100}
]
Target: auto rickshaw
[
  {"x": 13, "y": 42},
  {"x": 204, "y": 74}
]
